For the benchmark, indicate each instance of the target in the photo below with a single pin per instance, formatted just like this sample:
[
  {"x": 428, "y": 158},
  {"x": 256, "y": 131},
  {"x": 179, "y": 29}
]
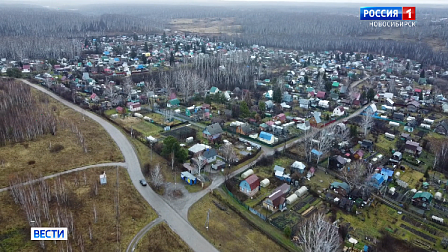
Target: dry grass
[
  {"x": 162, "y": 238},
  {"x": 227, "y": 231},
  {"x": 411, "y": 177},
  {"x": 144, "y": 127},
  {"x": 135, "y": 213},
  {"x": 101, "y": 148}
]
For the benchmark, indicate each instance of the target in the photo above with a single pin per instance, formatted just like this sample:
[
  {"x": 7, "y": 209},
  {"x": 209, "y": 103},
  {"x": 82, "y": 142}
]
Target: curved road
[
  {"x": 179, "y": 225},
  {"x": 66, "y": 172}
]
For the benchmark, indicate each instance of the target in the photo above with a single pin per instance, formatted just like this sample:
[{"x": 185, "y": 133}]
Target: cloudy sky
[{"x": 210, "y": 2}]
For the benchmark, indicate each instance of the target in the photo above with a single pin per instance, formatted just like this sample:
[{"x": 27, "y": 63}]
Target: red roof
[
  {"x": 253, "y": 181},
  {"x": 93, "y": 96},
  {"x": 417, "y": 90},
  {"x": 119, "y": 109},
  {"x": 26, "y": 66},
  {"x": 320, "y": 94}
]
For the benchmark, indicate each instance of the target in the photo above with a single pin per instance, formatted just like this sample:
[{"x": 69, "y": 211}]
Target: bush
[
  {"x": 287, "y": 231},
  {"x": 146, "y": 169},
  {"x": 56, "y": 148}
]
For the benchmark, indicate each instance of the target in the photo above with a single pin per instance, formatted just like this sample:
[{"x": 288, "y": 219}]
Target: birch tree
[
  {"x": 317, "y": 234},
  {"x": 367, "y": 121},
  {"x": 324, "y": 140},
  {"x": 156, "y": 177}
]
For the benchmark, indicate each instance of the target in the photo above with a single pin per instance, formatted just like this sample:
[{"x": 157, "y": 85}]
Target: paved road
[
  {"x": 141, "y": 233},
  {"x": 179, "y": 225},
  {"x": 354, "y": 84},
  {"x": 66, "y": 172}
]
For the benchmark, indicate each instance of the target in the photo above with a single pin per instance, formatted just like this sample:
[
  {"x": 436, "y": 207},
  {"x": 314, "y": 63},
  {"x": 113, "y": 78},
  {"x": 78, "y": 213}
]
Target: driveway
[{"x": 179, "y": 225}]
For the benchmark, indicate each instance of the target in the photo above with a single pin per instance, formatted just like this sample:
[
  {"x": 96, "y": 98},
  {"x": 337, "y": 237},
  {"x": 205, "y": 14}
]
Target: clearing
[
  {"x": 227, "y": 230},
  {"x": 206, "y": 25},
  {"x": 85, "y": 196},
  {"x": 34, "y": 157},
  {"x": 162, "y": 238}
]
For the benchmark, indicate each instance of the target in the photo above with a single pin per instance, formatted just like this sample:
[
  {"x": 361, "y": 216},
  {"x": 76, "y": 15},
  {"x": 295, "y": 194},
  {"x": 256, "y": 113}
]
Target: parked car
[{"x": 143, "y": 182}]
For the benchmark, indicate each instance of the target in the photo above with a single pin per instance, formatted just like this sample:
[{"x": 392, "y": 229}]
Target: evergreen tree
[
  {"x": 328, "y": 86},
  {"x": 133, "y": 53},
  {"x": 422, "y": 74},
  {"x": 337, "y": 57},
  {"x": 146, "y": 48},
  {"x": 244, "y": 110},
  {"x": 306, "y": 79},
  {"x": 203, "y": 48},
  {"x": 407, "y": 65},
  {"x": 262, "y": 106},
  {"x": 171, "y": 59},
  {"x": 370, "y": 94},
  {"x": 277, "y": 96},
  {"x": 135, "y": 37}
]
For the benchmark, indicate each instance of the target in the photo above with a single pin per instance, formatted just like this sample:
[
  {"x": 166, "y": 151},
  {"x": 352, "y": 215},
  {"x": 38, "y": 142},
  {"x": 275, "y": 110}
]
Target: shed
[
  {"x": 247, "y": 173},
  {"x": 188, "y": 177},
  {"x": 394, "y": 124},
  {"x": 265, "y": 182},
  {"x": 291, "y": 199},
  {"x": 392, "y": 190},
  {"x": 298, "y": 166},
  {"x": 301, "y": 191},
  {"x": 438, "y": 196},
  {"x": 103, "y": 178}
]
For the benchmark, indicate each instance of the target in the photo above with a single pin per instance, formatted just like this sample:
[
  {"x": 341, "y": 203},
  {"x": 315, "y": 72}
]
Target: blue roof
[
  {"x": 387, "y": 172},
  {"x": 366, "y": 248},
  {"x": 106, "y": 52},
  {"x": 316, "y": 152},
  {"x": 266, "y": 136},
  {"x": 116, "y": 59},
  {"x": 379, "y": 178}
]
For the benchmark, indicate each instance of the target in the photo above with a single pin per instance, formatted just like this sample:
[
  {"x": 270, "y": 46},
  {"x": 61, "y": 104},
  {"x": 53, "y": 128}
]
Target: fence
[{"x": 263, "y": 217}]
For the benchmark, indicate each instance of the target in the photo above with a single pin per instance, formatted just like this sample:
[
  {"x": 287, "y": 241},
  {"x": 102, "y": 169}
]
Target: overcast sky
[{"x": 210, "y": 2}]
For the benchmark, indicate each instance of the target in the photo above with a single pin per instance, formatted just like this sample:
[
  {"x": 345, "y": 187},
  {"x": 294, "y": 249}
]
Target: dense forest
[{"x": 36, "y": 32}]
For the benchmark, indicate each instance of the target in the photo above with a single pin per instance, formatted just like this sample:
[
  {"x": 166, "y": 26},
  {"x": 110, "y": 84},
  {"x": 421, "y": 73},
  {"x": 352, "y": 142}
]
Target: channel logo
[
  {"x": 49, "y": 234},
  {"x": 387, "y": 13}
]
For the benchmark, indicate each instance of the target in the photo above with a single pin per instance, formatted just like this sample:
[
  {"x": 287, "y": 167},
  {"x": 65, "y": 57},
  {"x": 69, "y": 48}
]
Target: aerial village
[{"x": 360, "y": 135}]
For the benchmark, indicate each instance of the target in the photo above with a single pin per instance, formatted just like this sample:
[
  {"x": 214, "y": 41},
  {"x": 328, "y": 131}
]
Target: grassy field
[
  {"x": 34, "y": 157},
  {"x": 144, "y": 127},
  {"x": 162, "y": 238},
  {"x": 315, "y": 181},
  {"x": 411, "y": 177},
  {"x": 135, "y": 213},
  {"x": 381, "y": 217},
  {"x": 227, "y": 231}
]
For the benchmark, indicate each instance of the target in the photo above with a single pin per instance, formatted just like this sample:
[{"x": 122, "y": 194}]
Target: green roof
[
  {"x": 342, "y": 185},
  {"x": 213, "y": 89},
  {"x": 335, "y": 84},
  {"x": 426, "y": 195}
]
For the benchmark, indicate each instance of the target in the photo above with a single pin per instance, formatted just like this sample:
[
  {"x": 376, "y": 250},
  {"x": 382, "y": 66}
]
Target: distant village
[{"x": 354, "y": 133}]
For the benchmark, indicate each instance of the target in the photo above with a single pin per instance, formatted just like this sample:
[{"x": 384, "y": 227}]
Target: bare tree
[
  {"x": 367, "y": 120},
  {"x": 324, "y": 140},
  {"x": 228, "y": 153},
  {"x": 317, "y": 234},
  {"x": 156, "y": 177},
  {"x": 357, "y": 174}
]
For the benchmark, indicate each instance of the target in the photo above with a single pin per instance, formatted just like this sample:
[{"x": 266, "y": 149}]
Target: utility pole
[{"x": 208, "y": 219}]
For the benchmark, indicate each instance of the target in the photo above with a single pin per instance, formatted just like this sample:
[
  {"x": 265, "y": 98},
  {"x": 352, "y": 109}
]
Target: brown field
[
  {"x": 135, "y": 213},
  {"x": 227, "y": 231},
  {"x": 162, "y": 238},
  {"x": 206, "y": 26},
  {"x": 34, "y": 157}
]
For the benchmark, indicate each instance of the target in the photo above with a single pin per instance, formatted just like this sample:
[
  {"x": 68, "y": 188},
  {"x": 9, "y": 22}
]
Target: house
[
  {"x": 250, "y": 185},
  {"x": 214, "y": 90},
  {"x": 413, "y": 106},
  {"x": 266, "y": 137},
  {"x": 280, "y": 117},
  {"x": 442, "y": 128},
  {"x": 336, "y": 162},
  {"x": 304, "y": 103},
  {"x": 387, "y": 174},
  {"x": 371, "y": 109},
  {"x": 345, "y": 204},
  {"x": 212, "y": 132},
  {"x": 304, "y": 126},
  {"x": 413, "y": 148},
  {"x": 133, "y": 107},
  {"x": 277, "y": 201},
  {"x": 316, "y": 121},
  {"x": 269, "y": 105},
  {"x": 197, "y": 149},
  {"x": 298, "y": 167},
  {"x": 323, "y": 104},
  {"x": 341, "y": 188},
  {"x": 339, "y": 111},
  {"x": 367, "y": 145},
  {"x": 321, "y": 95},
  {"x": 422, "y": 199},
  {"x": 244, "y": 129},
  {"x": 286, "y": 97},
  {"x": 206, "y": 106},
  {"x": 173, "y": 102},
  {"x": 398, "y": 116},
  {"x": 103, "y": 178},
  {"x": 279, "y": 172},
  {"x": 120, "y": 110},
  {"x": 377, "y": 180},
  {"x": 358, "y": 154},
  {"x": 210, "y": 155},
  {"x": 94, "y": 97}
]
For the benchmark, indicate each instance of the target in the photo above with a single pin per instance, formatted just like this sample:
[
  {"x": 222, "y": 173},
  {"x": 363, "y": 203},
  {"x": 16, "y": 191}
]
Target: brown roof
[
  {"x": 253, "y": 181},
  {"x": 278, "y": 193}
]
